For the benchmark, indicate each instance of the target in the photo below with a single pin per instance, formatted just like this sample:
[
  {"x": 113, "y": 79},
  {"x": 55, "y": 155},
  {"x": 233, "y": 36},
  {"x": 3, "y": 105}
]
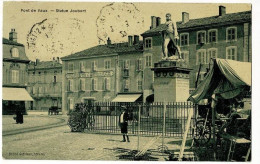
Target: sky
[{"x": 57, "y": 34}]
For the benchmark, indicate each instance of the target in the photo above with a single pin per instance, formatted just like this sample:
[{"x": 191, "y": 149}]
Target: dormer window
[
  {"x": 15, "y": 52},
  {"x": 148, "y": 42}
]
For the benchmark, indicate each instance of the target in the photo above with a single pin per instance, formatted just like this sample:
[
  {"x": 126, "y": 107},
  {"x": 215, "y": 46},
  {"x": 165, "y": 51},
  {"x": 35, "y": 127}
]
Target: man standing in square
[{"x": 123, "y": 123}]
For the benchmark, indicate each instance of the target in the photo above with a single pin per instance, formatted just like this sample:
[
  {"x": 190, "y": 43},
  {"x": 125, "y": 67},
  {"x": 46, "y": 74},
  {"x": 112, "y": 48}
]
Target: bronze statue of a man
[{"x": 170, "y": 37}]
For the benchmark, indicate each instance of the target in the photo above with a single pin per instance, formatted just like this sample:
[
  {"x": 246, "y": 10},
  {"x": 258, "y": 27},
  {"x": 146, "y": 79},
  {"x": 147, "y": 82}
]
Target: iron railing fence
[{"x": 106, "y": 118}]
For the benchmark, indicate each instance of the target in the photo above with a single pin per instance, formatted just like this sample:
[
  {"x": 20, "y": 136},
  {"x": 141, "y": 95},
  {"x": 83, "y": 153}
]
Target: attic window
[
  {"x": 148, "y": 42},
  {"x": 15, "y": 52}
]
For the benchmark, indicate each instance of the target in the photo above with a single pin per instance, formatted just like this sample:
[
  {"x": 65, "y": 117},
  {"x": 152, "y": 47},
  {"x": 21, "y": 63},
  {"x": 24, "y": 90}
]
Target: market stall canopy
[
  {"x": 126, "y": 97},
  {"x": 16, "y": 94},
  {"x": 227, "y": 78}
]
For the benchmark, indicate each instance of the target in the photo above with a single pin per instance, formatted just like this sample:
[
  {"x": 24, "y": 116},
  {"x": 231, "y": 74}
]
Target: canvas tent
[{"x": 227, "y": 78}]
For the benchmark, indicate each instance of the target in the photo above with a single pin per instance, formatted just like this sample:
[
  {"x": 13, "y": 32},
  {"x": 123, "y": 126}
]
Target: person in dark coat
[
  {"x": 123, "y": 118},
  {"x": 19, "y": 117}
]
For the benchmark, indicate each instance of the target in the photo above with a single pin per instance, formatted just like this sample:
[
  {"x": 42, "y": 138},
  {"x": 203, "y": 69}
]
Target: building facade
[
  {"x": 15, "y": 78},
  {"x": 101, "y": 73},
  {"x": 45, "y": 84},
  {"x": 226, "y": 36}
]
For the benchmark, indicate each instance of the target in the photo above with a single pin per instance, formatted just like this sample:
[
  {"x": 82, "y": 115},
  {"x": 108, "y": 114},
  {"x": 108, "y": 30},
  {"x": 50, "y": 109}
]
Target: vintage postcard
[{"x": 126, "y": 81}]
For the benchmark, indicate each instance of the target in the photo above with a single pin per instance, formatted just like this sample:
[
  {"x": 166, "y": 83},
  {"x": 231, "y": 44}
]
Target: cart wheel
[{"x": 202, "y": 135}]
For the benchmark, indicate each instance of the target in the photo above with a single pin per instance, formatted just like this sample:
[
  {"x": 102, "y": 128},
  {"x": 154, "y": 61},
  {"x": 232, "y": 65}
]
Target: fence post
[
  {"x": 164, "y": 117},
  {"x": 139, "y": 120}
]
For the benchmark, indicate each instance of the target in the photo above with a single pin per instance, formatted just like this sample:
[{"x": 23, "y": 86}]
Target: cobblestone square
[{"x": 60, "y": 144}]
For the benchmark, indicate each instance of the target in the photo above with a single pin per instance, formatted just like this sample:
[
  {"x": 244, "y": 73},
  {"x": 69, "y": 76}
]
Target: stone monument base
[{"x": 171, "y": 81}]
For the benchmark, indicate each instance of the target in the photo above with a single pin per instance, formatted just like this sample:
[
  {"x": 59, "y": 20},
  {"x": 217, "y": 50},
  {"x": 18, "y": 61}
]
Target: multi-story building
[
  {"x": 126, "y": 67},
  {"x": 102, "y": 72},
  {"x": 15, "y": 63},
  {"x": 225, "y": 36},
  {"x": 45, "y": 83}
]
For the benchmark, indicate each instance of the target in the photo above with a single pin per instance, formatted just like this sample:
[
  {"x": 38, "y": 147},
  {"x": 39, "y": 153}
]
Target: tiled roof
[
  {"x": 201, "y": 22},
  {"x": 45, "y": 65},
  {"x": 7, "y": 41},
  {"x": 106, "y": 49}
]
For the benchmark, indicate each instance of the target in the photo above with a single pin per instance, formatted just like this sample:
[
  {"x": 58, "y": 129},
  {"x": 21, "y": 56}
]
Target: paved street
[
  {"x": 30, "y": 121},
  {"x": 60, "y": 143}
]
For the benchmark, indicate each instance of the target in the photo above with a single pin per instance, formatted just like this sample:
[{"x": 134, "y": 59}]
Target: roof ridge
[
  {"x": 204, "y": 21},
  {"x": 106, "y": 49},
  {"x": 220, "y": 16},
  {"x": 10, "y": 42}
]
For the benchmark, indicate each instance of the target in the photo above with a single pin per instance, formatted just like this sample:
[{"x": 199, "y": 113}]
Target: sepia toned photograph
[{"x": 122, "y": 81}]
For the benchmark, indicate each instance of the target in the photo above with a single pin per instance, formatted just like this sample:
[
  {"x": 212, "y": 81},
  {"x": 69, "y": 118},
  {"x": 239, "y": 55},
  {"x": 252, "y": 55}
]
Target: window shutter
[
  {"x": 95, "y": 65},
  {"x": 84, "y": 85},
  {"x": 95, "y": 84},
  {"x": 124, "y": 64},
  {"x": 205, "y": 57},
  {"x": 137, "y": 64},
  {"x": 17, "y": 76},
  {"x": 92, "y": 84},
  {"x": 72, "y": 85},
  {"x": 197, "y": 58},
  {"x": 108, "y": 84},
  {"x": 141, "y": 64},
  {"x": 68, "y": 85},
  {"x": 104, "y": 84}
]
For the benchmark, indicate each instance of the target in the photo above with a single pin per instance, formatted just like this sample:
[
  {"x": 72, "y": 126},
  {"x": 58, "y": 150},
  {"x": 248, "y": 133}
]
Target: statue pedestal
[{"x": 171, "y": 81}]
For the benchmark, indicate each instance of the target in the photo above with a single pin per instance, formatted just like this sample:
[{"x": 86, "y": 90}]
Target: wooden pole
[
  {"x": 213, "y": 124},
  {"x": 139, "y": 119},
  {"x": 185, "y": 135}
]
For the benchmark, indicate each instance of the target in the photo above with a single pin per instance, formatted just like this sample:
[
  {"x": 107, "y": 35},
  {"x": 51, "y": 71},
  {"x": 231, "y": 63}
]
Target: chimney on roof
[
  {"x": 222, "y": 10},
  {"x": 13, "y": 35},
  {"x": 130, "y": 40},
  {"x": 108, "y": 41},
  {"x": 185, "y": 17},
  {"x": 158, "y": 21},
  {"x": 136, "y": 39},
  {"x": 37, "y": 62},
  {"x": 153, "y": 22}
]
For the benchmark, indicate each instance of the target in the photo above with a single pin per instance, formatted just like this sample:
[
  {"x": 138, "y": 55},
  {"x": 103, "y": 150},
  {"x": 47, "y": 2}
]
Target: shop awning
[
  {"x": 126, "y": 97},
  {"x": 16, "y": 94}
]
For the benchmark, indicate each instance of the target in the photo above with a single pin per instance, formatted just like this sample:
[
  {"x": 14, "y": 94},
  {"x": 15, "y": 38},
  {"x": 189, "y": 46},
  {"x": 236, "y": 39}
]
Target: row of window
[
  {"x": 40, "y": 79},
  {"x": 94, "y": 86},
  {"x": 45, "y": 73},
  {"x": 211, "y": 37},
  {"x": 44, "y": 89},
  {"x": 204, "y": 56},
  {"x": 107, "y": 64},
  {"x": 106, "y": 85}
]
